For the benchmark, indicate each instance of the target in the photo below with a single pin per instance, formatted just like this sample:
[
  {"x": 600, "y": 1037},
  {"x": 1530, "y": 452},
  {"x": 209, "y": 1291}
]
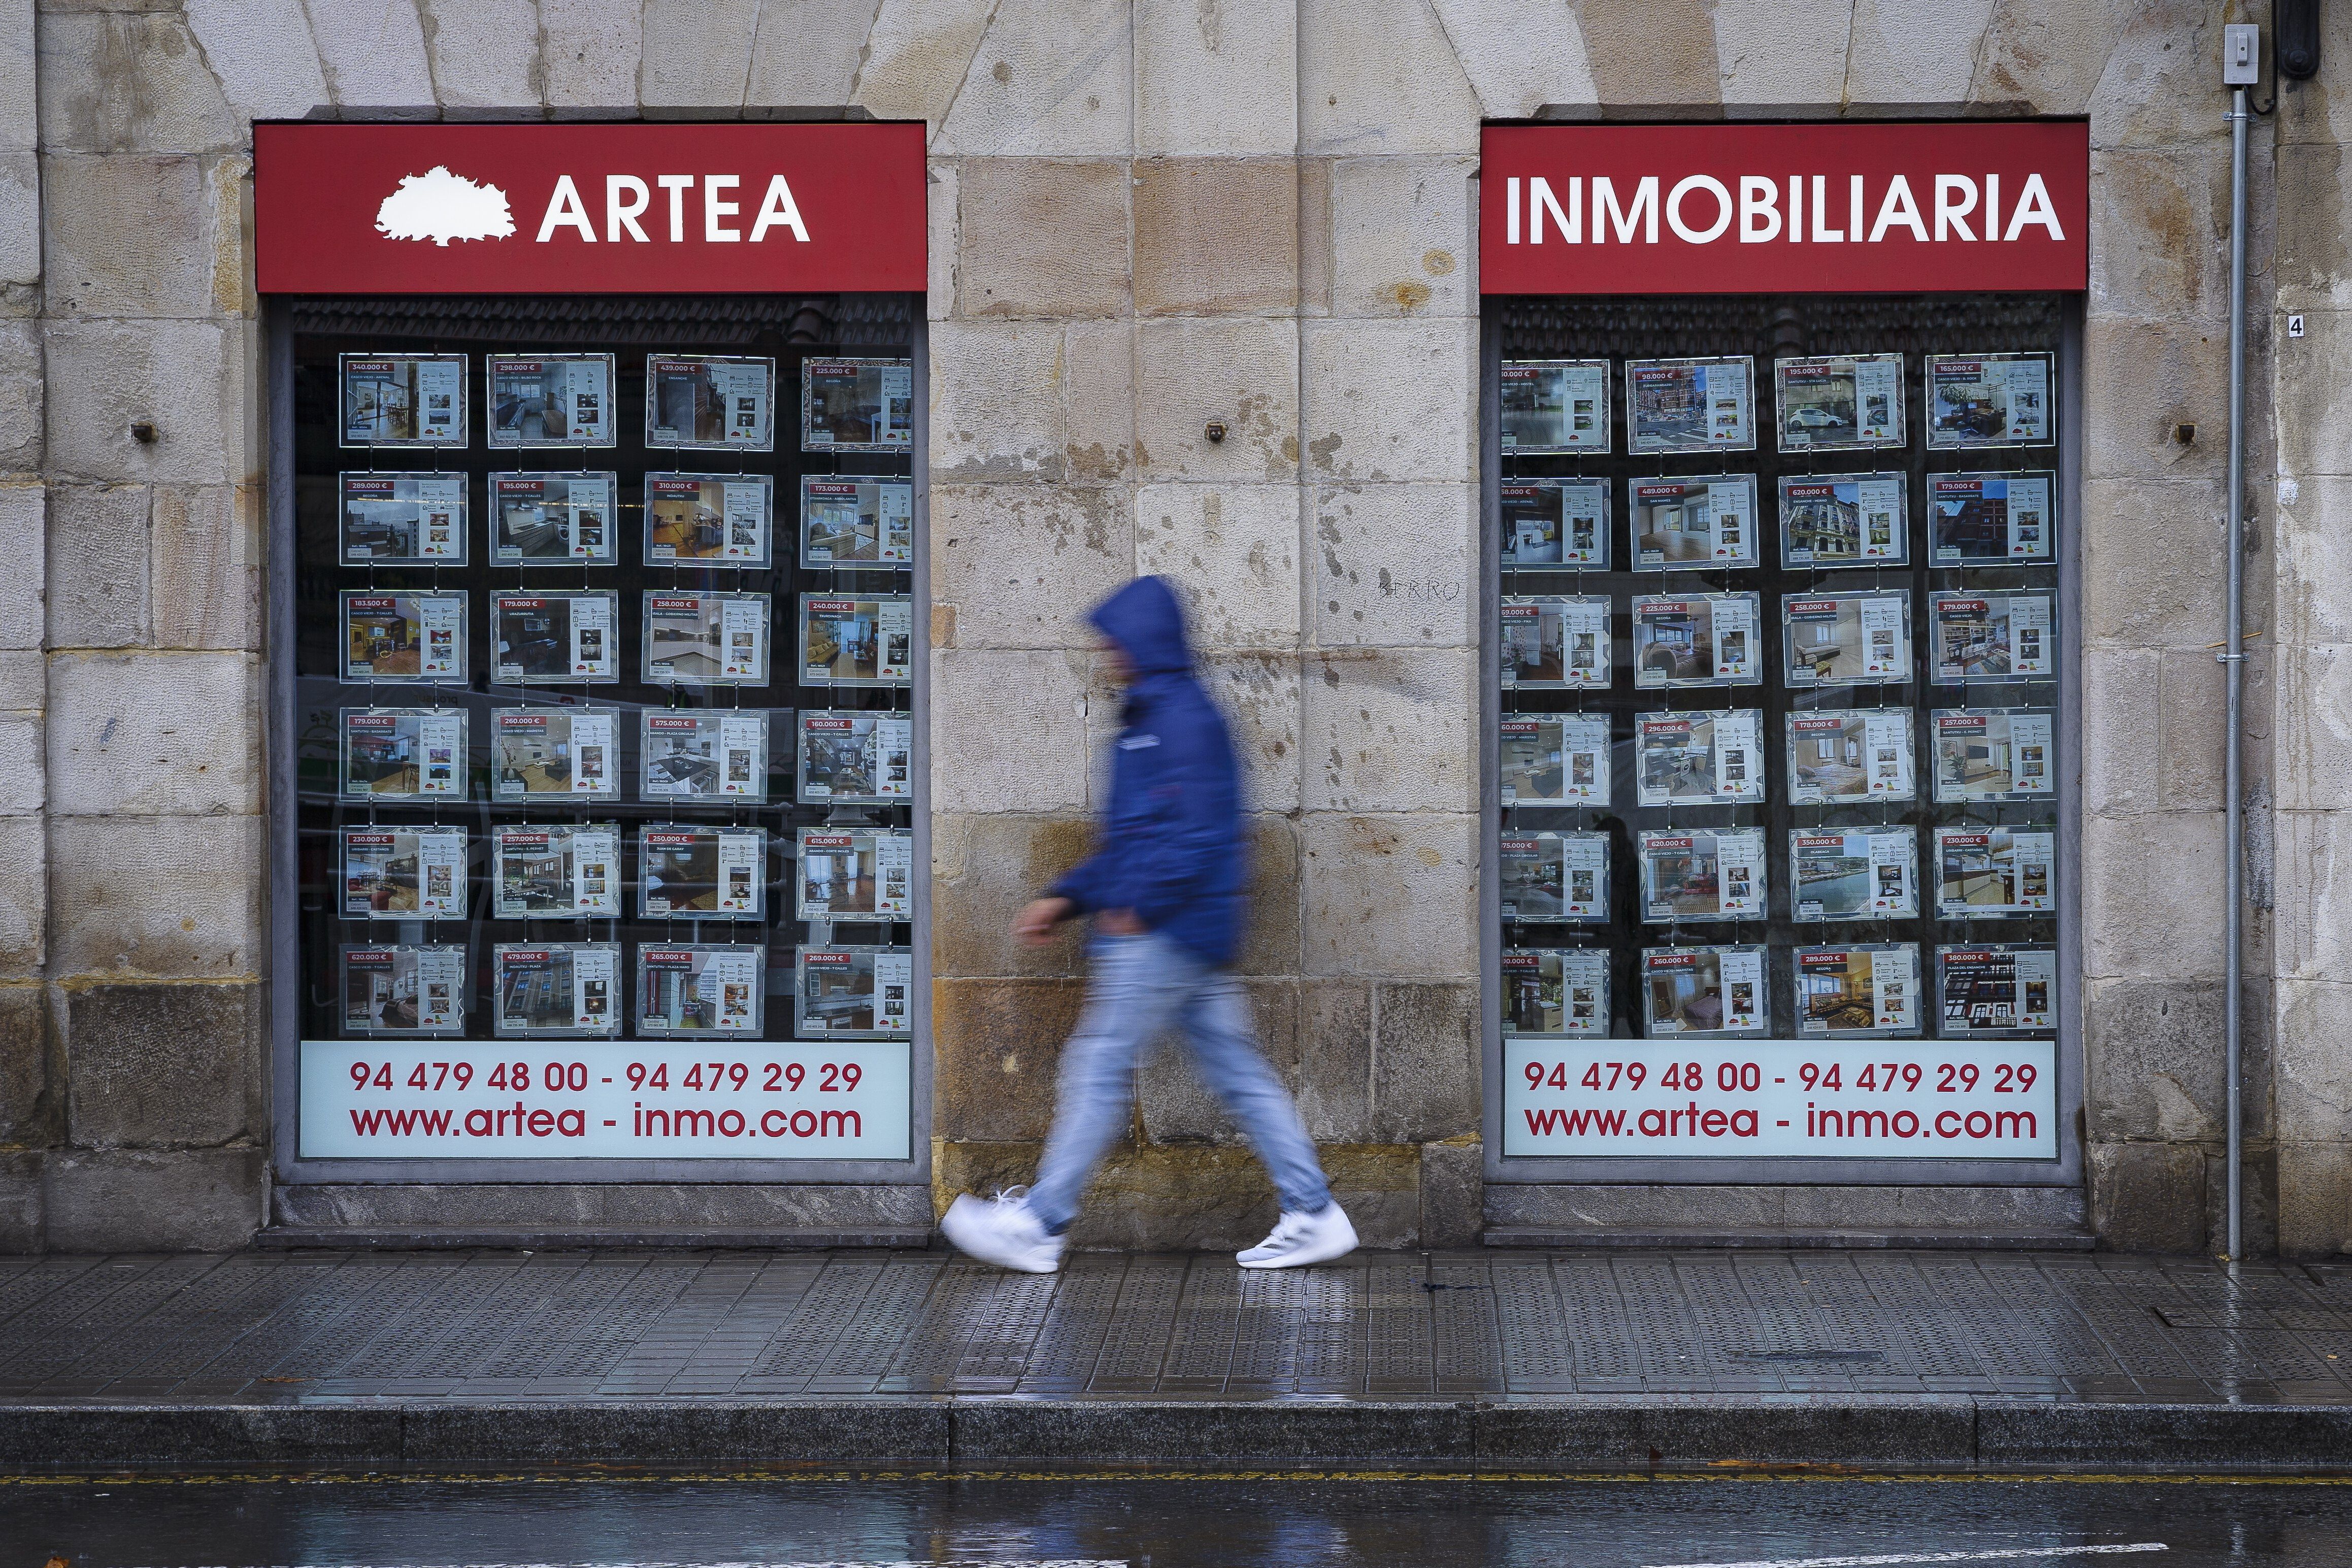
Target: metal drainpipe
[{"x": 2233, "y": 658}]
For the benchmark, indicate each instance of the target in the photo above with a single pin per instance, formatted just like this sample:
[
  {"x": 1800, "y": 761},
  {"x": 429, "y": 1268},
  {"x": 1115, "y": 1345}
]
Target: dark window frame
[
  {"x": 797, "y": 327},
  {"x": 1532, "y": 326}
]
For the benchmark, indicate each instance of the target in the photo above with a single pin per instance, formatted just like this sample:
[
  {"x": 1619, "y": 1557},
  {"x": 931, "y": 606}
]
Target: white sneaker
[
  {"x": 1299, "y": 1239},
  {"x": 1002, "y": 1230}
]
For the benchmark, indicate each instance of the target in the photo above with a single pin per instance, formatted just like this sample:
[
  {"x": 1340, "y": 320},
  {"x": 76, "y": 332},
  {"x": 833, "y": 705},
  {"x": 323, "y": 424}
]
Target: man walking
[{"x": 1164, "y": 888}]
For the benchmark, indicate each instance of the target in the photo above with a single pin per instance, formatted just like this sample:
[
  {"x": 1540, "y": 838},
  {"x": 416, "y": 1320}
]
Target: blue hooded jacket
[{"x": 1171, "y": 846}]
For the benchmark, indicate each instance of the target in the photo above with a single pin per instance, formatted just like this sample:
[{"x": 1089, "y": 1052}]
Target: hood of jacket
[{"x": 1145, "y": 620}]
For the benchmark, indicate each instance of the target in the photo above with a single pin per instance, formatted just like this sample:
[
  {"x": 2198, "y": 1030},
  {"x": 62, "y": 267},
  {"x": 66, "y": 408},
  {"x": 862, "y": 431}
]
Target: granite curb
[{"x": 1956, "y": 1434}]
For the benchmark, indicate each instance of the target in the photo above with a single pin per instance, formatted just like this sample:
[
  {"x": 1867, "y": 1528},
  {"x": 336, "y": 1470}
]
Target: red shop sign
[
  {"x": 588, "y": 209},
  {"x": 1865, "y": 207}
]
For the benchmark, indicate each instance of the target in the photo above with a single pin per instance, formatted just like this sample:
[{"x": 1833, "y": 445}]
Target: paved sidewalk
[{"x": 1932, "y": 1359}]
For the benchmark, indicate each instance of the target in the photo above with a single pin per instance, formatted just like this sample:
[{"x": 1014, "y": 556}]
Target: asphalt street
[{"x": 1752, "y": 1522}]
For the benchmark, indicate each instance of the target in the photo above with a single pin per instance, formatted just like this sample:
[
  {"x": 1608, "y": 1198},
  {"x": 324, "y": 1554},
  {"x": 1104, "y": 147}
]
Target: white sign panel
[
  {"x": 1781, "y": 1099},
  {"x": 596, "y": 1100}
]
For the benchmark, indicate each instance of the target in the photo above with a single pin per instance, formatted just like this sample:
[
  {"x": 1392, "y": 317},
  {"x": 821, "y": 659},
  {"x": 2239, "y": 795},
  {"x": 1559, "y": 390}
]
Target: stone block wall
[
  {"x": 1147, "y": 216},
  {"x": 1199, "y": 245},
  {"x": 2153, "y": 608},
  {"x": 131, "y": 971},
  {"x": 27, "y": 1046},
  {"x": 2303, "y": 607}
]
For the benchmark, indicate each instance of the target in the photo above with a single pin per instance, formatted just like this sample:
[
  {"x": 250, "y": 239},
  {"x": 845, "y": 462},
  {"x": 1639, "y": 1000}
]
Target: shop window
[
  {"x": 1781, "y": 676},
  {"x": 606, "y": 744}
]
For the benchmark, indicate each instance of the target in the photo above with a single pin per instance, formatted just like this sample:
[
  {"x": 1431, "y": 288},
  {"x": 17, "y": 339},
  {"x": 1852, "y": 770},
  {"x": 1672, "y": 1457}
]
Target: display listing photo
[
  {"x": 550, "y": 400},
  {"x": 1864, "y": 992},
  {"x": 1690, "y": 405},
  {"x": 1703, "y": 991},
  {"x": 403, "y": 874},
  {"x": 403, "y": 990},
  {"x": 853, "y": 520},
  {"x": 1845, "y": 756},
  {"x": 1554, "y": 876},
  {"x": 710, "y": 519},
  {"x": 1988, "y": 399},
  {"x": 542, "y": 518},
  {"x": 403, "y": 519},
  {"x": 1840, "y": 401},
  {"x": 416, "y": 637},
  {"x": 864, "y": 641},
  {"x": 855, "y": 757},
  {"x": 556, "y": 870},
  {"x": 1844, "y": 519},
  {"x": 554, "y": 753},
  {"x": 1854, "y": 873},
  {"x": 1696, "y": 640},
  {"x": 857, "y": 405},
  {"x": 1694, "y": 522},
  {"x": 555, "y": 638},
  {"x": 1555, "y": 992},
  {"x": 1848, "y": 639},
  {"x": 1554, "y": 760},
  {"x": 711, "y": 403},
  {"x": 403, "y": 754},
  {"x": 705, "y": 639},
  {"x": 1995, "y": 873},
  {"x": 1556, "y": 643},
  {"x": 1702, "y": 875},
  {"x": 854, "y": 874},
  {"x": 1548, "y": 524},
  {"x": 1994, "y": 754},
  {"x": 1699, "y": 758},
  {"x": 1990, "y": 519},
  {"x": 1991, "y": 636},
  {"x": 692, "y": 754},
  {"x": 696, "y": 990},
  {"x": 1555, "y": 406},
  {"x": 404, "y": 400},
  {"x": 557, "y": 988},
  {"x": 2001, "y": 988},
  {"x": 853, "y": 991},
  {"x": 693, "y": 871}
]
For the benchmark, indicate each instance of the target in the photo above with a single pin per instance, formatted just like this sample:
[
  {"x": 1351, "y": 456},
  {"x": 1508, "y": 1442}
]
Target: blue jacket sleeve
[{"x": 1082, "y": 885}]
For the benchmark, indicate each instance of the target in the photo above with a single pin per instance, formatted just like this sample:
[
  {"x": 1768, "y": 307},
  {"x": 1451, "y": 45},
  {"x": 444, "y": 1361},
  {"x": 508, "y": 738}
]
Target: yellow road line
[{"x": 586, "y": 1474}]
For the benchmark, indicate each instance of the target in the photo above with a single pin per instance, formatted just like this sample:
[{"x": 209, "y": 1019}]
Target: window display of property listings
[
  {"x": 1780, "y": 681},
  {"x": 605, "y": 727}
]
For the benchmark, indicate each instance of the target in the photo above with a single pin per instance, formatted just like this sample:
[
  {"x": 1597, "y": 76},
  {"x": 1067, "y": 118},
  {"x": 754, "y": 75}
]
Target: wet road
[{"x": 1155, "y": 1523}]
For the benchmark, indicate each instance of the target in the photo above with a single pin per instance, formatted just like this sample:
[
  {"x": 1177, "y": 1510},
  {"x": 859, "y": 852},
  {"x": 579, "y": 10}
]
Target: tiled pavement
[{"x": 330, "y": 1328}]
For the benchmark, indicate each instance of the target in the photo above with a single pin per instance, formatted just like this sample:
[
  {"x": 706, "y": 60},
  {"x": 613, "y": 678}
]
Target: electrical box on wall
[{"x": 2242, "y": 55}]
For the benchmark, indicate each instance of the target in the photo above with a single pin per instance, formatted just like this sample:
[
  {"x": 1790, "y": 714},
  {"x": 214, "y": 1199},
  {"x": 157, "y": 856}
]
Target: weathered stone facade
[
  {"x": 135, "y": 1097},
  {"x": 1147, "y": 216}
]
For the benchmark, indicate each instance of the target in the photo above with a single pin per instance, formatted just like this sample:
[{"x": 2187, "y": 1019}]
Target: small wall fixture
[
  {"x": 2295, "y": 42},
  {"x": 1215, "y": 430}
]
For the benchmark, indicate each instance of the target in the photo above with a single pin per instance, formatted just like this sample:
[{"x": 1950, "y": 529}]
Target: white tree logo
[{"x": 441, "y": 206}]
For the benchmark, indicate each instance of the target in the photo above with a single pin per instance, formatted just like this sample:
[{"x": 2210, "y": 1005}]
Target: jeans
[{"x": 1142, "y": 986}]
